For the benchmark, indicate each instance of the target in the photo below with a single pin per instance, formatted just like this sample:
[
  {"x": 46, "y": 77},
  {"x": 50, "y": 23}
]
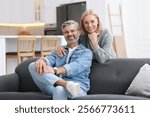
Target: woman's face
[{"x": 90, "y": 23}]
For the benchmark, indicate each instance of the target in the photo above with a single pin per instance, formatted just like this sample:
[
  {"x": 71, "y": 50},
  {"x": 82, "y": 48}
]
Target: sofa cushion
[
  {"x": 109, "y": 97},
  {"x": 140, "y": 86},
  {"x": 9, "y": 82},
  {"x": 114, "y": 76},
  {"x": 26, "y": 82},
  {"x": 23, "y": 96}
]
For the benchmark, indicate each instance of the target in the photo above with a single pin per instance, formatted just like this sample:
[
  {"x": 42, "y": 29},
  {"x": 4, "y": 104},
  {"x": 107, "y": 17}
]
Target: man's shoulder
[
  {"x": 82, "y": 47},
  {"x": 85, "y": 51}
]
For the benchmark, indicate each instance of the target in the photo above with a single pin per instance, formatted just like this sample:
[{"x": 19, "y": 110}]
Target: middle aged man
[{"x": 64, "y": 77}]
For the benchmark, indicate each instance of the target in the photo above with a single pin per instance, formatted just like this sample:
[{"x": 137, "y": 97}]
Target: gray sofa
[{"x": 109, "y": 81}]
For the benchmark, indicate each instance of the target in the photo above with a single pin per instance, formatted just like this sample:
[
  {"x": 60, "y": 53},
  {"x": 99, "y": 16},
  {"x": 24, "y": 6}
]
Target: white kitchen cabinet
[
  {"x": 24, "y": 11},
  {"x": 17, "y": 11},
  {"x": 4, "y": 11},
  {"x": 50, "y": 11},
  {"x": 50, "y": 15},
  {"x": 27, "y": 11},
  {"x": 21, "y": 11},
  {"x": 49, "y": 8}
]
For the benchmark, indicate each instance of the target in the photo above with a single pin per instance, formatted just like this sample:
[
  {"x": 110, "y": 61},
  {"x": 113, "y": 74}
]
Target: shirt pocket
[
  {"x": 60, "y": 61},
  {"x": 74, "y": 57}
]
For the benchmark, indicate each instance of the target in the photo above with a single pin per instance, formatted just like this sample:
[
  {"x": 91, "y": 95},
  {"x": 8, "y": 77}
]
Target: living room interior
[{"x": 44, "y": 18}]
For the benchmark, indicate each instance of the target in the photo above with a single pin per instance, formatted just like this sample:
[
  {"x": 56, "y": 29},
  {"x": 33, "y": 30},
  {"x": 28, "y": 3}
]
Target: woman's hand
[
  {"x": 40, "y": 65},
  {"x": 93, "y": 37},
  {"x": 60, "y": 51}
]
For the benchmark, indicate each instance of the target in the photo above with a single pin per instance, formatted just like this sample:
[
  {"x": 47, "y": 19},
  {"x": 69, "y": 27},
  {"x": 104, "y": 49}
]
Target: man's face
[{"x": 71, "y": 33}]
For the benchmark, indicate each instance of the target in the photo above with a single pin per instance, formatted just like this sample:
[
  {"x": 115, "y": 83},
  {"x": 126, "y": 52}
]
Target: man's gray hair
[{"x": 70, "y": 22}]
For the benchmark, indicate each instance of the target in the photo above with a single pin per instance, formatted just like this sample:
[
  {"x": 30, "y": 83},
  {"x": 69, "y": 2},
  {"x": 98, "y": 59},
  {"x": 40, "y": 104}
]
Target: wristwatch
[{"x": 55, "y": 70}]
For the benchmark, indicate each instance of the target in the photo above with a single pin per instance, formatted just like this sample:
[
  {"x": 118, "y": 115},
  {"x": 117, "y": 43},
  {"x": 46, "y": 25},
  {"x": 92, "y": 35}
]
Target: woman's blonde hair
[{"x": 90, "y": 12}]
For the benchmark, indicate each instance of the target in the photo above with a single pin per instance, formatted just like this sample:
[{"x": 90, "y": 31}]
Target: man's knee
[{"x": 31, "y": 67}]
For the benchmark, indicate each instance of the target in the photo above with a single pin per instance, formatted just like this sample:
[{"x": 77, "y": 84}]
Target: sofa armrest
[{"x": 9, "y": 83}]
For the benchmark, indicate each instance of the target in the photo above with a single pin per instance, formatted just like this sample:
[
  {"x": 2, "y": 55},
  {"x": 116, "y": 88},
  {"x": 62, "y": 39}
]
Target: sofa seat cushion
[
  {"x": 23, "y": 96},
  {"x": 109, "y": 97}
]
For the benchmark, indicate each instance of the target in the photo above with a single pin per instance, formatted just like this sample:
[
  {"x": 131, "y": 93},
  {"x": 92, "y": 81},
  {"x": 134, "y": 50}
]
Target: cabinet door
[
  {"x": 15, "y": 11},
  {"x": 21, "y": 11},
  {"x": 50, "y": 10},
  {"x": 4, "y": 11},
  {"x": 28, "y": 11}
]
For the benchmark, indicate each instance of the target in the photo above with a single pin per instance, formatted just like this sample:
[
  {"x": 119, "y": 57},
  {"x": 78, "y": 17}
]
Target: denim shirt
[{"x": 78, "y": 68}]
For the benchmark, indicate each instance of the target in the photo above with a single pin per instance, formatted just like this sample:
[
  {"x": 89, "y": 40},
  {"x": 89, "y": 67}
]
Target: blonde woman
[{"x": 94, "y": 37}]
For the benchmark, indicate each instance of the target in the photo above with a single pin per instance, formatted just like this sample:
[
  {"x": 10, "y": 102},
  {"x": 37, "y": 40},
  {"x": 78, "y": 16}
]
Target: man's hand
[
  {"x": 61, "y": 51},
  {"x": 40, "y": 65},
  {"x": 48, "y": 69}
]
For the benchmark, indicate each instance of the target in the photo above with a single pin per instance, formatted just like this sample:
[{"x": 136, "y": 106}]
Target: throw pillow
[{"x": 140, "y": 85}]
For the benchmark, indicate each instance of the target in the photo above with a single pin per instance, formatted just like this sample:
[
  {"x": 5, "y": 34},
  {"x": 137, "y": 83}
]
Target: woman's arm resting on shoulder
[{"x": 60, "y": 51}]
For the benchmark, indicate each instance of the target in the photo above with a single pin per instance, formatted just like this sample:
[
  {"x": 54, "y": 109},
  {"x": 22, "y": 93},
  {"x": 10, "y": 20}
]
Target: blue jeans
[{"x": 46, "y": 82}]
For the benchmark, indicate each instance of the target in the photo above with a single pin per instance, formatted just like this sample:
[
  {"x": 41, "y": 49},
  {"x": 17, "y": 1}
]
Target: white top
[{"x": 70, "y": 53}]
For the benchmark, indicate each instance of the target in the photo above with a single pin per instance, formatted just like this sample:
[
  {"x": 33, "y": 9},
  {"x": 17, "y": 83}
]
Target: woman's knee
[{"x": 32, "y": 70}]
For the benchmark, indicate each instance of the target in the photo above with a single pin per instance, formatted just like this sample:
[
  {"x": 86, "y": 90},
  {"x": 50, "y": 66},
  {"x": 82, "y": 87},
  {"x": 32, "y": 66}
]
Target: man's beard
[{"x": 71, "y": 41}]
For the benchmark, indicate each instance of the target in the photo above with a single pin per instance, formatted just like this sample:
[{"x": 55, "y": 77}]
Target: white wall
[
  {"x": 100, "y": 6},
  {"x": 130, "y": 21},
  {"x": 144, "y": 29},
  {"x": 137, "y": 27},
  {"x": 136, "y": 22}
]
